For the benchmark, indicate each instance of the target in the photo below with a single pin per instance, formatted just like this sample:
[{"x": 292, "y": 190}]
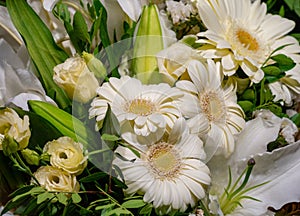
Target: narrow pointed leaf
[{"x": 41, "y": 47}]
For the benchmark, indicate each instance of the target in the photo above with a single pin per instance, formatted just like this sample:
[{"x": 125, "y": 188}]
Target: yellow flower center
[
  {"x": 54, "y": 179},
  {"x": 63, "y": 155},
  {"x": 164, "y": 160},
  {"x": 247, "y": 40},
  {"x": 213, "y": 106},
  {"x": 141, "y": 107}
]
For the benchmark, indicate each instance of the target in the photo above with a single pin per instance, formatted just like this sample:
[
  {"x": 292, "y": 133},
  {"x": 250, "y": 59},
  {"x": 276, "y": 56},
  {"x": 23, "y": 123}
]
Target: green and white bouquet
[{"x": 150, "y": 107}]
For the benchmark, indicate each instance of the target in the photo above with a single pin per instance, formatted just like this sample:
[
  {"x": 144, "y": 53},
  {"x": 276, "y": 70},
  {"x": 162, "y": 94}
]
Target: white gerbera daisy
[
  {"x": 169, "y": 173},
  {"x": 240, "y": 33},
  {"x": 148, "y": 109},
  {"x": 212, "y": 104}
]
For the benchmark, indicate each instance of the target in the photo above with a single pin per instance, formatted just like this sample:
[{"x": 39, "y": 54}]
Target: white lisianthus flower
[
  {"x": 67, "y": 155},
  {"x": 169, "y": 172},
  {"x": 240, "y": 33},
  {"x": 11, "y": 125},
  {"x": 55, "y": 179},
  {"x": 174, "y": 60},
  {"x": 76, "y": 79},
  {"x": 148, "y": 109},
  {"x": 213, "y": 105},
  {"x": 273, "y": 178}
]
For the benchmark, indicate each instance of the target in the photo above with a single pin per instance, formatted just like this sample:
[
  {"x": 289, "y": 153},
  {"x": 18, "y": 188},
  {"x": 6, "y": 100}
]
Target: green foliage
[
  {"x": 259, "y": 96},
  {"x": 64, "y": 122},
  {"x": 41, "y": 47},
  {"x": 294, "y": 5}
]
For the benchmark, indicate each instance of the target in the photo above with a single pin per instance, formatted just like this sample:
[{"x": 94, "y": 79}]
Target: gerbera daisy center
[
  {"x": 247, "y": 40},
  {"x": 213, "y": 106},
  {"x": 141, "y": 107},
  {"x": 164, "y": 160}
]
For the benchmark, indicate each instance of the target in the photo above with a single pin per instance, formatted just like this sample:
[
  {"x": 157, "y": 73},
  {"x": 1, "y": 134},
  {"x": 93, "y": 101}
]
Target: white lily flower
[
  {"x": 273, "y": 177},
  {"x": 7, "y": 29},
  {"x": 17, "y": 84}
]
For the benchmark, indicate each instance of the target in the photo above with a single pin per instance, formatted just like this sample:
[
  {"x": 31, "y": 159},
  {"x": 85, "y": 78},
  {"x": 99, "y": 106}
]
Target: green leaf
[
  {"x": 296, "y": 119},
  {"x": 44, "y": 196},
  {"x": 118, "y": 211},
  {"x": 93, "y": 177},
  {"x": 137, "y": 203},
  {"x": 76, "y": 198},
  {"x": 146, "y": 210},
  {"x": 109, "y": 137},
  {"x": 33, "y": 191},
  {"x": 64, "y": 122},
  {"x": 290, "y": 3},
  {"x": 284, "y": 63},
  {"x": 272, "y": 70},
  {"x": 41, "y": 47},
  {"x": 62, "y": 198},
  {"x": 80, "y": 27},
  {"x": 105, "y": 206}
]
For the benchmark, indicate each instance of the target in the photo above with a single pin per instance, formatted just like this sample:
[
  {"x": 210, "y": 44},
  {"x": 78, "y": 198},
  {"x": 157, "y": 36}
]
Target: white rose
[
  {"x": 174, "y": 60},
  {"x": 66, "y": 154},
  {"x": 13, "y": 126},
  {"x": 55, "y": 179},
  {"x": 76, "y": 79}
]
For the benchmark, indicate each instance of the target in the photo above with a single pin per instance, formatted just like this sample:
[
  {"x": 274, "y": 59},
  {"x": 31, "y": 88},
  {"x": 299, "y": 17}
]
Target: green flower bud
[
  {"x": 248, "y": 95},
  {"x": 9, "y": 145},
  {"x": 31, "y": 157},
  {"x": 148, "y": 43},
  {"x": 95, "y": 65}
]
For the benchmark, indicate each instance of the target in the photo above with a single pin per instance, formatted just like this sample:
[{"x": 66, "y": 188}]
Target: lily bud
[
  {"x": 148, "y": 43},
  {"x": 31, "y": 157},
  {"x": 94, "y": 65}
]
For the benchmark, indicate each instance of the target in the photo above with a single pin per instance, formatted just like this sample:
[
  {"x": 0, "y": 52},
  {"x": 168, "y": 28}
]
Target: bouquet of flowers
[{"x": 149, "y": 107}]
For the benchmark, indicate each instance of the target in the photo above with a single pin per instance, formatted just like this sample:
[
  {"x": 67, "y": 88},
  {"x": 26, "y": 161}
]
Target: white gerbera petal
[
  {"x": 240, "y": 33},
  {"x": 167, "y": 175},
  {"x": 140, "y": 109},
  {"x": 215, "y": 109}
]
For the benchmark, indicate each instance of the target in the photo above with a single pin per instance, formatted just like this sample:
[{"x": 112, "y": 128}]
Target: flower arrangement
[{"x": 138, "y": 107}]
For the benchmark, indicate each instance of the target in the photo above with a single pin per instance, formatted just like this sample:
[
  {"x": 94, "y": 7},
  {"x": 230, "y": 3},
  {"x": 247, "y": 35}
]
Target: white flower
[
  {"x": 288, "y": 87},
  {"x": 17, "y": 83},
  {"x": 240, "y": 33},
  {"x": 13, "y": 126},
  {"x": 67, "y": 155},
  {"x": 276, "y": 171},
  {"x": 55, "y": 179},
  {"x": 76, "y": 79},
  {"x": 180, "y": 11},
  {"x": 174, "y": 60},
  {"x": 211, "y": 104},
  {"x": 169, "y": 173},
  {"x": 148, "y": 109}
]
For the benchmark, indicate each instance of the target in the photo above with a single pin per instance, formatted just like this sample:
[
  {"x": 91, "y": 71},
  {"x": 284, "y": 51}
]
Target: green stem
[{"x": 22, "y": 166}]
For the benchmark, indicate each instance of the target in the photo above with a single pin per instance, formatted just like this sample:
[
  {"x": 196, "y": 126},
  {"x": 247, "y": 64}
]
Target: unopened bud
[
  {"x": 95, "y": 65},
  {"x": 148, "y": 43},
  {"x": 31, "y": 157},
  {"x": 9, "y": 145}
]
